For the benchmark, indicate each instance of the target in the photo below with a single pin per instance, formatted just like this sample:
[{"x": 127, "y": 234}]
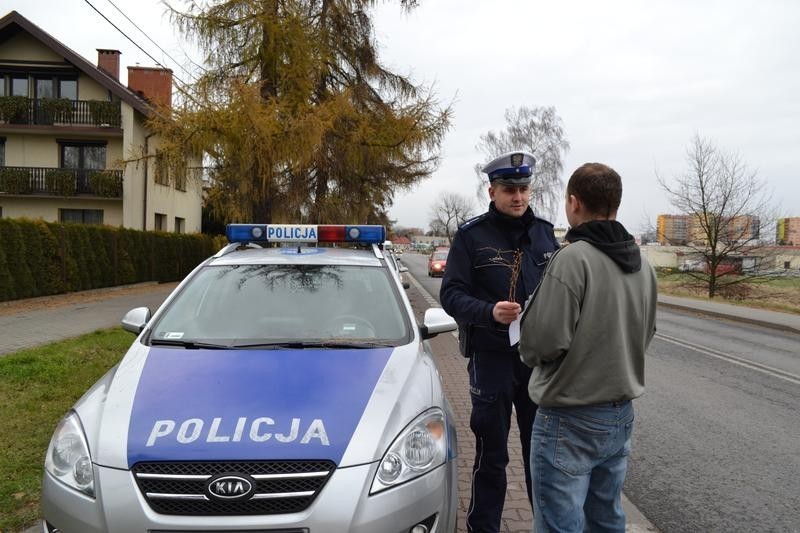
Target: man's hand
[{"x": 506, "y": 312}]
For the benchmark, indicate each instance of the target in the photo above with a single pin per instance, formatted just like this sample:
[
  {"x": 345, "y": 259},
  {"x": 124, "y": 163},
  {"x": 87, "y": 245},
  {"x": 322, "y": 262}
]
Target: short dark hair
[{"x": 598, "y": 186}]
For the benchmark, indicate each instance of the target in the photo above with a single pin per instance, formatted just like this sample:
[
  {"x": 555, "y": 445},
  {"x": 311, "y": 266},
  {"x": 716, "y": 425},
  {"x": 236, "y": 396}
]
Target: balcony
[
  {"x": 59, "y": 112},
  {"x": 64, "y": 182}
]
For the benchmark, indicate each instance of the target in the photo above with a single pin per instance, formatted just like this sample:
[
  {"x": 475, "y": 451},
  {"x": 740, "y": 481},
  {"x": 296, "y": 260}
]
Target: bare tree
[
  {"x": 448, "y": 212},
  {"x": 538, "y": 130},
  {"x": 728, "y": 211}
]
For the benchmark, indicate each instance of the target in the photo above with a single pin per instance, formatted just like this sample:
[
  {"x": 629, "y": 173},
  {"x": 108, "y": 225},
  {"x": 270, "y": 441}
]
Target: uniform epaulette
[{"x": 473, "y": 221}]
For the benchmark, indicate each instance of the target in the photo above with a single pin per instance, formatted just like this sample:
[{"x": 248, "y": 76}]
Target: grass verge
[
  {"x": 37, "y": 388},
  {"x": 780, "y": 294}
]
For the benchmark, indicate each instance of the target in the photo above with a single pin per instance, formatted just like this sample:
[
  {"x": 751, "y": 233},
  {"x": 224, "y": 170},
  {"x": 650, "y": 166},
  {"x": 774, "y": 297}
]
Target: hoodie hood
[{"x": 611, "y": 238}]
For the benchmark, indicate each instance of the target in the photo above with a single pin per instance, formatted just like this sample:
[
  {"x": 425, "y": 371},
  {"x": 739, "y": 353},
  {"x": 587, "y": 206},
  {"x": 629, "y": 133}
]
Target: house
[{"x": 74, "y": 144}]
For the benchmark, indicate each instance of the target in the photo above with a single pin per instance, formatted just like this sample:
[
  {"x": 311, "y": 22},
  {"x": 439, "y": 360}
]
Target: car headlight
[
  {"x": 68, "y": 458},
  {"x": 418, "y": 449}
]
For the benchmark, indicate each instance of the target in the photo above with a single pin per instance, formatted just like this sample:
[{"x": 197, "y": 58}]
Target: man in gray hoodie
[{"x": 585, "y": 331}]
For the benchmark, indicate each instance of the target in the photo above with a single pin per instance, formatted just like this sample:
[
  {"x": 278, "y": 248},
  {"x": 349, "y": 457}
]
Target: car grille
[{"x": 179, "y": 488}]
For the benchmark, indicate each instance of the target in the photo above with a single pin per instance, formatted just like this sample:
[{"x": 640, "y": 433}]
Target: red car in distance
[{"x": 437, "y": 262}]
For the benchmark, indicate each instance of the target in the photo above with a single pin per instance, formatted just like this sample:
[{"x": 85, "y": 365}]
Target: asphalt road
[{"x": 717, "y": 441}]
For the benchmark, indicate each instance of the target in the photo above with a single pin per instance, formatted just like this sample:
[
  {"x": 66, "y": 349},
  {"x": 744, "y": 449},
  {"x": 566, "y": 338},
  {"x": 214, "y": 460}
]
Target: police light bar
[{"x": 361, "y": 234}]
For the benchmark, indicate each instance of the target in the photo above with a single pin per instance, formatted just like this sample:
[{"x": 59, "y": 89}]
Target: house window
[
  {"x": 68, "y": 89},
  {"x": 180, "y": 225},
  {"x": 162, "y": 169},
  {"x": 81, "y": 216},
  {"x": 1, "y": 211},
  {"x": 161, "y": 222},
  {"x": 180, "y": 178},
  {"x": 2, "y": 151},
  {"x": 787, "y": 265},
  {"x": 19, "y": 86},
  {"x": 84, "y": 157},
  {"x": 45, "y": 88}
]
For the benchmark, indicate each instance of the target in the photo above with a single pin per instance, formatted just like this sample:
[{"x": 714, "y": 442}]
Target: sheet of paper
[{"x": 513, "y": 332}]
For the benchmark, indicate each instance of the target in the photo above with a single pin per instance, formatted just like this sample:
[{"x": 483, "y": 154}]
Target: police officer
[{"x": 494, "y": 264}]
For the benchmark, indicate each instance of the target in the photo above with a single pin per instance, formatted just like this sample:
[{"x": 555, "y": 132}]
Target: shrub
[
  {"x": 60, "y": 182},
  {"x": 14, "y": 109},
  {"x": 106, "y": 183},
  {"x": 15, "y": 181},
  {"x": 54, "y": 110},
  {"x": 41, "y": 258},
  {"x": 104, "y": 112},
  {"x": 16, "y": 260}
]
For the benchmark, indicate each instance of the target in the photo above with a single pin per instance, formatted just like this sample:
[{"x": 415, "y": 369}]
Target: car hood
[{"x": 165, "y": 404}]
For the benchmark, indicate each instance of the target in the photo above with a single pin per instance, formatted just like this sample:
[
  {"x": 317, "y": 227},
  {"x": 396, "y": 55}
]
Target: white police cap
[{"x": 512, "y": 168}]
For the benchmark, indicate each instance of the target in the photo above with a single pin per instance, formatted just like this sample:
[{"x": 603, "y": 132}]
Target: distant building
[
  {"x": 678, "y": 230},
  {"x": 788, "y": 231},
  {"x": 673, "y": 229}
]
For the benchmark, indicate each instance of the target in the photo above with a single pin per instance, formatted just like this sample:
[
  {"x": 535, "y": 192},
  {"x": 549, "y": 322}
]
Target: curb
[{"x": 727, "y": 316}]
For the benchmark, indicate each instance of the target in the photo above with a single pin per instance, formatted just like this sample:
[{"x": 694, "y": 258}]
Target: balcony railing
[
  {"x": 61, "y": 181},
  {"x": 58, "y": 111}
]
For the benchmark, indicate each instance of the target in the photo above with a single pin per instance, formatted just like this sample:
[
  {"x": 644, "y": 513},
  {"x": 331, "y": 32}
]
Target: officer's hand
[{"x": 506, "y": 312}]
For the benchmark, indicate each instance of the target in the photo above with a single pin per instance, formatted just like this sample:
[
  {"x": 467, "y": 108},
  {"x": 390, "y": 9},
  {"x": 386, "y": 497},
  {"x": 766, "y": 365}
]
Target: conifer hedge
[{"x": 41, "y": 258}]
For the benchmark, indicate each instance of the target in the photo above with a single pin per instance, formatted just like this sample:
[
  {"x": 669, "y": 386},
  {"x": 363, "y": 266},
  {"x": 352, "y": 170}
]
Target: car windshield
[
  {"x": 440, "y": 256},
  {"x": 284, "y": 306}
]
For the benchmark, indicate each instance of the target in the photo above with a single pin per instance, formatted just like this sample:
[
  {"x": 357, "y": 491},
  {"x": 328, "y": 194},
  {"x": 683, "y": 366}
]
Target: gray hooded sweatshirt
[{"x": 587, "y": 326}]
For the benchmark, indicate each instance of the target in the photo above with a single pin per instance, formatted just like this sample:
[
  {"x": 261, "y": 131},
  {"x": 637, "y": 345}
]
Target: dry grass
[{"x": 782, "y": 294}]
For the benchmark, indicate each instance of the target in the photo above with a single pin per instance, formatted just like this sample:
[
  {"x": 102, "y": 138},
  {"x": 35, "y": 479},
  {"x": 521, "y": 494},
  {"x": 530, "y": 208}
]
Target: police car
[{"x": 283, "y": 388}]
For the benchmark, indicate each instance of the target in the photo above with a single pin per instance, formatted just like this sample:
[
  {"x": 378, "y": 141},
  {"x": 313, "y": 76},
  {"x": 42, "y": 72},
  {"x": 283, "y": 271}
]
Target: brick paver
[{"x": 517, "y": 516}]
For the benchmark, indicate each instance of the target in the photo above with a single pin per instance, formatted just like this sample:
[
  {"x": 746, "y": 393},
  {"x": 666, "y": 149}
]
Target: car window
[
  {"x": 250, "y": 304},
  {"x": 439, "y": 256}
]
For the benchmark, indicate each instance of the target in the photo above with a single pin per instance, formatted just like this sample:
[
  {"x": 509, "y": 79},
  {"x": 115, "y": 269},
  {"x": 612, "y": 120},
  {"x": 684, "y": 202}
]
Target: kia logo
[{"x": 230, "y": 487}]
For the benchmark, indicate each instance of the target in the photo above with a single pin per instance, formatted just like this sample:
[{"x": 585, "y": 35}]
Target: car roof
[{"x": 289, "y": 256}]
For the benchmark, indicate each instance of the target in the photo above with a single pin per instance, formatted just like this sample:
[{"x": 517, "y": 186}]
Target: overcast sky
[{"x": 632, "y": 80}]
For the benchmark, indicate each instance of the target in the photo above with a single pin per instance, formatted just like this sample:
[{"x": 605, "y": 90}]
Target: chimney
[
  {"x": 108, "y": 62},
  {"x": 154, "y": 84}
]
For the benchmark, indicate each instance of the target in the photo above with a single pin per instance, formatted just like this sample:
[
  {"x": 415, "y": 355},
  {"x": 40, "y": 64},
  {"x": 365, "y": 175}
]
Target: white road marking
[{"x": 775, "y": 372}]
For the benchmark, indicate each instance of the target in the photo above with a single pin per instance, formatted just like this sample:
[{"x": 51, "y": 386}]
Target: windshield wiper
[
  {"x": 191, "y": 345},
  {"x": 331, "y": 345}
]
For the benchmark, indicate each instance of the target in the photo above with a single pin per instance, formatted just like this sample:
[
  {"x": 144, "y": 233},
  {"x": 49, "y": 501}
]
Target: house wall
[
  {"x": 24, "y": 47},
  {"x": 88, "y": 89},
  {"x": 43, "y": 150},
  {"x": 660, "y": 256},
  {"x": 47, "y": 208},
  {"x": 31, "y": 151}
]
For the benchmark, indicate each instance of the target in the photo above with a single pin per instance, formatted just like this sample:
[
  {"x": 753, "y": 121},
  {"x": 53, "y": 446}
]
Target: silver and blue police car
[{"x": 279, "y": 388}]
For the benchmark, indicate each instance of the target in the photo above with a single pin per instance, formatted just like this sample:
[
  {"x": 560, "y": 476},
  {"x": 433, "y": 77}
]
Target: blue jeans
[{"x": 578, "y": 462}]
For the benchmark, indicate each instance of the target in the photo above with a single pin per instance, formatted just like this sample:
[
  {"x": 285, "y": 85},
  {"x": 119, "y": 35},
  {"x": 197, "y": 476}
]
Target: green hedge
[
  {"x": 40, "y": 258},
  {"x": 60, "y": 182},
  {"x": 15, "y": 181}
]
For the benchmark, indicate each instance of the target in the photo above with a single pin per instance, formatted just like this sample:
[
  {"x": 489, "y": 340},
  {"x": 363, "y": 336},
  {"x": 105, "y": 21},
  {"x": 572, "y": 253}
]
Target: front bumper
[{"x": 344, "y": 504}]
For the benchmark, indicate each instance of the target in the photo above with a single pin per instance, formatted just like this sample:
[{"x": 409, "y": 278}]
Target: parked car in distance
[{"x": 437, "y": 262}]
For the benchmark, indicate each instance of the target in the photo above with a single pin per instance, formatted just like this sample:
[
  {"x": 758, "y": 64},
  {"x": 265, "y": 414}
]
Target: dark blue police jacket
[{"x": 478, "y": 273}]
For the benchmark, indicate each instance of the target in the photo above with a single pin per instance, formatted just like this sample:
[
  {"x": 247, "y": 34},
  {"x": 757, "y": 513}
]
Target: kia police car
[{"x": 281, "y": 388}]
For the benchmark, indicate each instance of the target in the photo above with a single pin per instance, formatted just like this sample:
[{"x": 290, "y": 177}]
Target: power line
[
  {"x": 156, "y": 61},
  {"x": 150, "y": 39}
]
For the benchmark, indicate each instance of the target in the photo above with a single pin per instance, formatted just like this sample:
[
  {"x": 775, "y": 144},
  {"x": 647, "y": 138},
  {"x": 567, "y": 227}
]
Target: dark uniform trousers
[{"x": 497, "y": 381}]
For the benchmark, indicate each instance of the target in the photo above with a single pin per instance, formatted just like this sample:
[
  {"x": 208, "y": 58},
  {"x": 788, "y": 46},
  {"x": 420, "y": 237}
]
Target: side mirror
[
  {"x": 436, "y": 321},
  {"x": 402, "y": 268},
  {"x": 136, "y": 319}
]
